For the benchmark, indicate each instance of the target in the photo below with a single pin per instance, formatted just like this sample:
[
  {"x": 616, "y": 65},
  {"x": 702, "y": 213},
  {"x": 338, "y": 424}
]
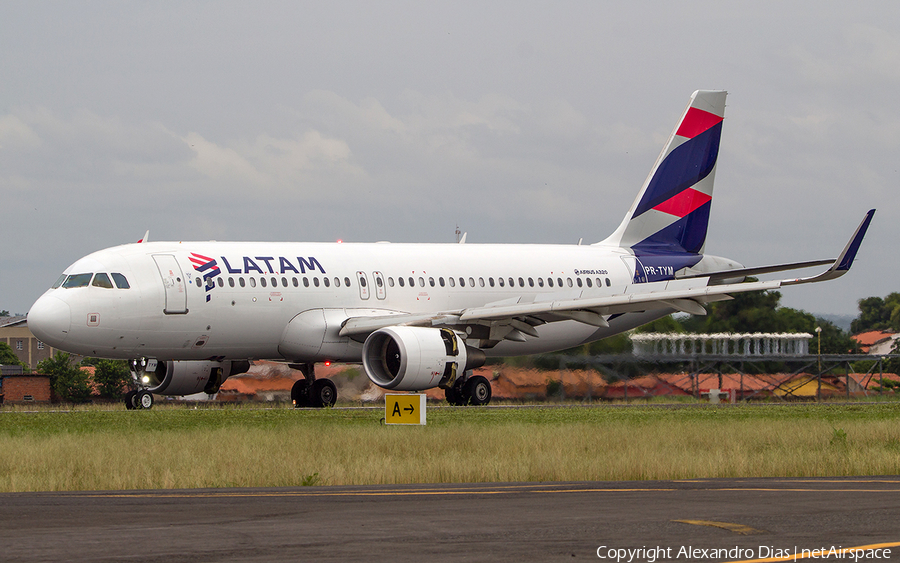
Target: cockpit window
[
  {"x": 77, "y": 280},
  {"x": 59, "y": 282},
  {"x": 102, "y": 280},
  {"x": 120, "y": 280}
]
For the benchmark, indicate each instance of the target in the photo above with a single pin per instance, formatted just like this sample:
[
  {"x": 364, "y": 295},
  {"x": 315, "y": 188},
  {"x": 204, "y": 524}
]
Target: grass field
[{"x": 181, "y": 447}]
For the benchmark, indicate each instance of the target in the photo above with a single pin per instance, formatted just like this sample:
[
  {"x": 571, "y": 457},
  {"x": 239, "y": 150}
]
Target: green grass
[{"x": 180, "y": 447}]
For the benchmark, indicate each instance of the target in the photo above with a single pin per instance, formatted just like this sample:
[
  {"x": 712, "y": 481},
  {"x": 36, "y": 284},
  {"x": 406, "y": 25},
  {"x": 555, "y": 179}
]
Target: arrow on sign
[{"x": 410, "y": 409}]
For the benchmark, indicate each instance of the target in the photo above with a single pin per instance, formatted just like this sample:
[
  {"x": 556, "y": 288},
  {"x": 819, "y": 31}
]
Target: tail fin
[{"x": 671, "y": 212}]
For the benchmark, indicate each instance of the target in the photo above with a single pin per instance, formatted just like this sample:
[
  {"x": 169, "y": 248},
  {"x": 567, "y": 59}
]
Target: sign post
[{"x": 404, "y": 409}]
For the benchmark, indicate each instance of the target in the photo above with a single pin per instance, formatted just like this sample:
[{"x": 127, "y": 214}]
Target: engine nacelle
[
  {"x": 189, "y": 377},
  {"x": 407, "y": 358}
]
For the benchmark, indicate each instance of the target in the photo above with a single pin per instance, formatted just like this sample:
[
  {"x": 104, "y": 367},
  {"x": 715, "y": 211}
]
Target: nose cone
[{"x": 50, "y": 320}]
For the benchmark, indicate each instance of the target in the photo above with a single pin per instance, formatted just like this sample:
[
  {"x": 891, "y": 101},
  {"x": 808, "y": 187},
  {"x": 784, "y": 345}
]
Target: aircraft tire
[
  {"x": 454, "y": 396},
  {"x": 129, "y": 400},
  {"x": 324, "y": 393},
  {"x": 144, "y": 399},
  {"x": 478, "y": 390},
  {"x": 300, "y": 394}
]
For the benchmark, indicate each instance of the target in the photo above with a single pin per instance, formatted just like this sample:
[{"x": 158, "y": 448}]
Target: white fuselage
[{"x": 181, "y": 306}]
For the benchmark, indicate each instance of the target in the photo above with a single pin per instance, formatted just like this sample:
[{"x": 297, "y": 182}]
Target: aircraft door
[
  {"x": 173, "y": 282},
  {"x": 379, "y": 285},
  {"x": 363, "y": 285}
]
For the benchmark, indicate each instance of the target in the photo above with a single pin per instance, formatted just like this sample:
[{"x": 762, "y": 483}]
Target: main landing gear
[
  {"x": 474, "y": 390},
  {"x": 312, "y": 392},
  {"x": 140, "y": 399}
]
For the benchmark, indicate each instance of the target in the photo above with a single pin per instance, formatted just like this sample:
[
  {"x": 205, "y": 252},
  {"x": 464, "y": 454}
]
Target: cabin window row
[
  {"x": 502, "y": 282},
  {"x": 410, "y": 281}
]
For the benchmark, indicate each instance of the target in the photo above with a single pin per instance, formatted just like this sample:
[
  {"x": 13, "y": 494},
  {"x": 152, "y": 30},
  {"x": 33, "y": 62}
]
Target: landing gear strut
[
  {"x": 473, "y": 390},
  {"x": 312, "y": 392}
]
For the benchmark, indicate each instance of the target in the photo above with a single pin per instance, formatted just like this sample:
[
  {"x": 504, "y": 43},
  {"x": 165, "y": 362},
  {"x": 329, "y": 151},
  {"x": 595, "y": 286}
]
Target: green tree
[
  {"x": 70, "y": 382},
  {"x": 876, "y": 313},
  {"x": 110, "y": 377},
  {"x": 8, "y": 356},
  {"x": 4, "y": 313}
]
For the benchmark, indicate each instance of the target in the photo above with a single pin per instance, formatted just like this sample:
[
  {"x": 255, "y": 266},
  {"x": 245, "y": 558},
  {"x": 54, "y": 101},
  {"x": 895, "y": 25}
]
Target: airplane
[{"x": 417, "y": 316}]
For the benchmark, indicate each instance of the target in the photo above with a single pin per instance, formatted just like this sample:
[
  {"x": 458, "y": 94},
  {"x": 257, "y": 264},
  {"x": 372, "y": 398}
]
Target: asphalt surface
[{"x": 470, "y": 522}]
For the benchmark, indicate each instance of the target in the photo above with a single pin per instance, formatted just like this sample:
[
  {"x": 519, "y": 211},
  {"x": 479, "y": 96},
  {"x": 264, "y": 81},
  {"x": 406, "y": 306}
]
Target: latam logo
[
  {"x": 273, "y": 265},
  {"x": 208, "y": 267}
]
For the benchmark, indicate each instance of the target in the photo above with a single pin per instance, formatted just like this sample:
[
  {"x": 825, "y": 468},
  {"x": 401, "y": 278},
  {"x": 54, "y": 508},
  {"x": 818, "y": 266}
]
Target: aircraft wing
[{"x": 517, "y": 317}]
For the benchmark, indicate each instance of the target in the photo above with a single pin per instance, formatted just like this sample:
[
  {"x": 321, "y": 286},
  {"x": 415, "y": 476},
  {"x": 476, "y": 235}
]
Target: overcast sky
[{"x": 364, "y": 121}]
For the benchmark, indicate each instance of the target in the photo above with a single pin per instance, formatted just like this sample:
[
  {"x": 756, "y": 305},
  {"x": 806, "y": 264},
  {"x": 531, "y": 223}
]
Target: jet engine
[
  {"x": 406, "y": 358},
  {"x": 187, "y": 377}
]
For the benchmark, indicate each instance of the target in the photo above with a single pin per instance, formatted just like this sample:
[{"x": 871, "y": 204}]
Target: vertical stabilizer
[{"x": 671, "y": 212}]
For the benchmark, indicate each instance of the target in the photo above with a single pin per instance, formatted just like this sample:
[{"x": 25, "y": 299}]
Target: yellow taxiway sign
[{"x": 404, "y": 409}]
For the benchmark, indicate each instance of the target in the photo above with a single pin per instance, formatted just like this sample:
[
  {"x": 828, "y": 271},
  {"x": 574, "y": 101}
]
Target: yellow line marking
[
  {"x": 736, "y": 528},
  {"x": 818, "y": 555}
]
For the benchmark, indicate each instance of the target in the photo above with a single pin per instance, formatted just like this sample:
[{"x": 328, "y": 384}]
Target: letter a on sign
[{"x": 404, "y": 409}]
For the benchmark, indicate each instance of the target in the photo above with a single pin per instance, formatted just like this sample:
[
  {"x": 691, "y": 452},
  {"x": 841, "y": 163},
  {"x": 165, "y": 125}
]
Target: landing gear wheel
[
  {"x": 144, "y": 399},
  {"x": 453, "y": 396},
  {"x": 300, "y": 394},
  {"x": 478, "y": 390},
  {"x": 324, "y": 393},
  {"x": 130, "y": 401}
]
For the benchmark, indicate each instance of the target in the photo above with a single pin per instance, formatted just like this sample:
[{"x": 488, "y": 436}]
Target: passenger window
[
  {"x": 283, "y": 282},
  {"x": 59, "y": 282},
  {"x": 421, "y": 281},
  {"x": 412, "y": 282},
  {"x": 559, "y": 282},
  {"x": 402, "y": 282},
  {"x": 452, "y": 282},
  {"x": 472, "y": 282},
  {"x": 337, "y": 282},
  {"x": 295, "y": 282},
  {"x": 607, "y": 282},
  {"x": 275, "y": 282},
  {"x": 541, "y": 282},
  {"x": 262, "y": 282},
  {"x": 589, "y": 284},
  {"x": 230, "y": 282},
  {"x": 120, "y": 280},
  {"x": 530, "y": 282},
  {"x": 252, "y": 282},
  {"x": 305, "y": 282},
  {"x": 521, "y": 282},
  {"x": 441, "y": 281},
  {"x": 347, "y": 281},
  {"x": 491, "y": 282},
  {"x": 462, "y": 282},
  {"x": 102, "y": 280},
  {"x": 378, "y": 282},
  {"x": 431, "y": 282},
  {"x": 242, "y": 282},
  {"x": 550, "y": 282},
  {"x": 500, "y": 280},
  {"x": 198, "y": 282},
  {"x": 512, "y": 283},
  {"x": 578, "y": 281},
  {"x": 316, "y": 281},
  {"x": 221, "y": 282},
  {"x": 569, "y": 282},
  {"x": 327, "y": 283}
]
